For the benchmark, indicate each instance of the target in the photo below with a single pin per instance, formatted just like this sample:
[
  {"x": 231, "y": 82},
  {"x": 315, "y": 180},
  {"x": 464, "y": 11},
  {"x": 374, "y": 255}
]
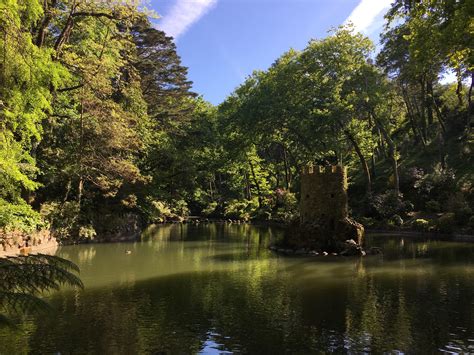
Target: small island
[{"x": 324, "y": 225}]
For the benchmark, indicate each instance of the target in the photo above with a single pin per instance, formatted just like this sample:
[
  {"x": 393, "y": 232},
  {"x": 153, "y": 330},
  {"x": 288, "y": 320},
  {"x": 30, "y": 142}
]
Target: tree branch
[
  {"x": 78, "y": 86},
  {"x": 96, "y": 14}
]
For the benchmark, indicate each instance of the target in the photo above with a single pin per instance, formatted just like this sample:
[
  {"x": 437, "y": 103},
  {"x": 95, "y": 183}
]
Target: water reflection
[{"x": 217, "y": 289}]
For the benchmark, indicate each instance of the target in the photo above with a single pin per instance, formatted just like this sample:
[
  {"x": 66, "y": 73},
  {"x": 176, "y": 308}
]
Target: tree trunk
[
  {"x": 470, "y": 108},
  {"x": 363, "y": 161},
  {"x": 210, "y": 190},
  {"x": 441, "y": 150},
  {"x": 287, "y": 173},
  {"x": 64, "y": 35},
  {"x": 248, "y": 192},
  {"x": 80, "y": 189},
  {"x": 424, "y": 125},
  {"x": 68, "y": 190},
  {"x": 429, "y": 101},
  {"x": 373, "y": 165},
  {"x": 411, "y": 116},
  {"x": 257, "y": 185},
  {"x": 392, "y": 153},
  {"x": 469, "y": 96},
  {"x": 459, "y": 88},
  {"x": 81, "y": 152},
  {"x": 45, "y": 23},
  {"x": 438, "y": 112}
]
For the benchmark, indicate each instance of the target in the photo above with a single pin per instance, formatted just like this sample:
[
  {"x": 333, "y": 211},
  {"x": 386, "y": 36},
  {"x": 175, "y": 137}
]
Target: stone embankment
[{"x": 18, "y": 243}]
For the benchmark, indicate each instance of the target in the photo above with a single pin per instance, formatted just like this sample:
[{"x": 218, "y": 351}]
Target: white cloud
[
  {"x": 366, "y": 13},
  {"x": 183, "y": 14}
]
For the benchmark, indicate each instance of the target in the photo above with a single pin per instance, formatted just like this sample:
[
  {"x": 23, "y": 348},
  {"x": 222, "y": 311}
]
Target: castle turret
[
  {"x": 323, "y": 195},
  {"x": 324, "y": 214}
]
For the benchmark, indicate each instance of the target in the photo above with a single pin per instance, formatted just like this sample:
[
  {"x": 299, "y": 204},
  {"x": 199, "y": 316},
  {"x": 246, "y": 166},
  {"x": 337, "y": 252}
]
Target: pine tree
[{"x": 164, "y": 82}]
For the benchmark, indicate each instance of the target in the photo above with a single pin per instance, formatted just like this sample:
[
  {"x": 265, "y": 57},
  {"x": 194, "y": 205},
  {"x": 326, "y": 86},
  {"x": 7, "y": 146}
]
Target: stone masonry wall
[
  {"x": 323, "y": 194},
  {"x": 16, "y": 242}
]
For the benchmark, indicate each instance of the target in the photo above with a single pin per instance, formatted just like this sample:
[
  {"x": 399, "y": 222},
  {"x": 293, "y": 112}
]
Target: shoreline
[
  {"x": 51, "y": 245},
  {"x": 48, "y": 247},
  {"x": 455, "y": 237}
]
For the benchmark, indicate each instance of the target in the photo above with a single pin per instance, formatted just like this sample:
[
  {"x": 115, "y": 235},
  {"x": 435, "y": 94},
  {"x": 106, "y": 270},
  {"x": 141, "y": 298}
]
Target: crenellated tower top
[
  {"x": 323, "y": 194},
  {"x": 319, "y": 169}
]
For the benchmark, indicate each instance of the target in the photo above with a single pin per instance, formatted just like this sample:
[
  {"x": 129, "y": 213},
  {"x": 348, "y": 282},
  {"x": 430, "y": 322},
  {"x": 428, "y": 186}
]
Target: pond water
[{"x": 217, "y": 289}]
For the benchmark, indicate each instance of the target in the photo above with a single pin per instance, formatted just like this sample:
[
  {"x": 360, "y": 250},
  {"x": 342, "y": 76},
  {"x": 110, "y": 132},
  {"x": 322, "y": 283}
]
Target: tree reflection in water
[{"x": 190, "y": 288}]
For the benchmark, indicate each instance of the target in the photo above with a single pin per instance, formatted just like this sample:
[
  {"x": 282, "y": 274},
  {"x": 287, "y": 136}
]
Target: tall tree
[
  {"x": 27, "y": 73},
  {"x": 164, "y": 82}
]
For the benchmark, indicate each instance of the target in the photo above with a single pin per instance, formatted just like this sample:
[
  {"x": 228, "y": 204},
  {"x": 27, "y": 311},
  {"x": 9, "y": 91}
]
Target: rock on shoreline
[
  {"x": 351, "y": 248},
  {"x": 19, "y": 243}
]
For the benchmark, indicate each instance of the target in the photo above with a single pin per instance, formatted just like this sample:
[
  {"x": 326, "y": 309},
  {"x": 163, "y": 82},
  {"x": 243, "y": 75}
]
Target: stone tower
[
  {"x": 324, "y": 216},
  {"x": 323, "y": 195}
]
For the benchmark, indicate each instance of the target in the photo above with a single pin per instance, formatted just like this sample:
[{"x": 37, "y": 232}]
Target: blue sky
[{"x": 223, "y": 41}]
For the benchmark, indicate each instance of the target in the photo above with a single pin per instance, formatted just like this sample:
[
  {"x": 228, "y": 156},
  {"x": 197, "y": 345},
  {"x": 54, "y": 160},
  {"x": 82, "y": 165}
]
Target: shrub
[
  {"x": 433, "y": 206},
  {"x": 463, "y": 215},
  {"x": 159, "y": 212},
  {"x": 262, "y": 214},
  {"x": 64, "y": 218},
  {"x": 179, "y": 208},
  {"x": 87, "y": 232},
  {"x": 467, "y": 189},
  {"x": 420, "y": 224},
  {"x": 130, "y": 201},
  {"x": 286, "y": 206},
  {"x": 388, "y": 204},
  {"x": 409, "y": 180},
  {"x": 236, "y": 209},
  {"x": 458, "y": 204},
  {"x": 446, "y": 223},
  {"x": 162, "y": 211},
  {"x": 209, "y": 209},
  {"x": 471, "y": 222},
  {"x": 455, "y": 202},
  {"x": 438, "y": 185},
  {"x": 241, "y": 209},
  {"x": 19, "y": 216},
  {"x": 367, "y": 221},
  {"x": 410, "y": 177},
  {"x": 396, "y": 220},
  {"x": 285, "y": 198},
  {"x": 285, "y": 216}
]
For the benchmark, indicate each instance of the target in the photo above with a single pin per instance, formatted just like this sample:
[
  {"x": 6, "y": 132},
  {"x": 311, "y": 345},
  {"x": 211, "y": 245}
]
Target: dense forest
[{"x": 100, "y": 129}]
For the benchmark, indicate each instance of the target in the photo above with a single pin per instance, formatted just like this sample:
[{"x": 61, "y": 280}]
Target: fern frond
[{"x": 23, "y": 278}]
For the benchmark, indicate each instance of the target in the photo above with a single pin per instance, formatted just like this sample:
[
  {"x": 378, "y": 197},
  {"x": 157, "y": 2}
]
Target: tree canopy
[{"x": 100, "y": 127}]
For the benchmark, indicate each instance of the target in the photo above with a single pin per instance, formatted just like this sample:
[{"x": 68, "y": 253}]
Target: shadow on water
[
  {"x": 240, "y": 257},
  {"x": 205, "y": 294}
]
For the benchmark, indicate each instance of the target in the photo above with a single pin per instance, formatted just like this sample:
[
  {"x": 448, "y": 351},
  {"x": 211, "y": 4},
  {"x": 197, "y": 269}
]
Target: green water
[{"x": 218, "y": 289}]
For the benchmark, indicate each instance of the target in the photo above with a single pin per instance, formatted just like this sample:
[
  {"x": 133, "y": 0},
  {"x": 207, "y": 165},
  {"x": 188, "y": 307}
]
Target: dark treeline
[{"x": 100, "y": 128}]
